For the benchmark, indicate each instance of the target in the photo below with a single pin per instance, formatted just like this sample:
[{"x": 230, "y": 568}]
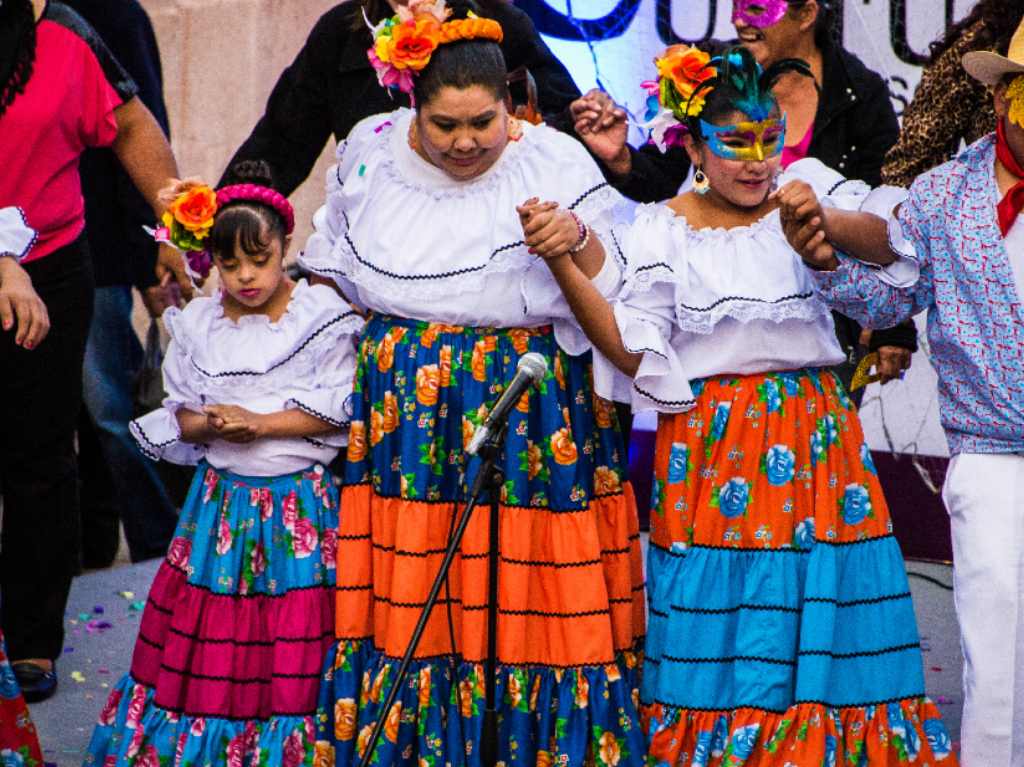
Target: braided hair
[
  {"x": 17, "y": 49},
  {"x": 740, "y": 85}
]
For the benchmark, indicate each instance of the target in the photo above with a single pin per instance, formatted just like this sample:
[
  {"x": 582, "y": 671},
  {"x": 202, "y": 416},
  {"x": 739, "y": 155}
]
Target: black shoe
[{"x": 37, "y": 684}]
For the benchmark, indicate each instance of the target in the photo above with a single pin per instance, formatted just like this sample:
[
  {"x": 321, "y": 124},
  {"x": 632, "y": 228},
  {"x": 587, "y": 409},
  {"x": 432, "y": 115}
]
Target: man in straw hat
[{"x": 957, "y": 249}]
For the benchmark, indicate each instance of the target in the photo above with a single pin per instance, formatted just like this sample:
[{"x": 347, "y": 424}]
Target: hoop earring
[{"x": 701, "y": 184}]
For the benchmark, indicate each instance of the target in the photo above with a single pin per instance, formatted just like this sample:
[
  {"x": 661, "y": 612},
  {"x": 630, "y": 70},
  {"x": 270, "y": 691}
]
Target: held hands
[
  {"x": 549, "y": 231},
  {"x": 892, "y": 362},
  {"x": 805, "y": 224},
  {"x": 234, "y": 424},
  {"x": 20, "y": 303},
  {"x": 603, "y": 126}
]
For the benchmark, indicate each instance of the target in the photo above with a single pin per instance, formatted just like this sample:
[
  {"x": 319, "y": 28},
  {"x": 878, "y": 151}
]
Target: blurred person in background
[{"x": 117, "y": 481}]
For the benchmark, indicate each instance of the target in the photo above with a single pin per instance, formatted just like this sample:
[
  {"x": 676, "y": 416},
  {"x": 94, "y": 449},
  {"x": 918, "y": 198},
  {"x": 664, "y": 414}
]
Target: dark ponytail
[{"x": 17, "y": 49}]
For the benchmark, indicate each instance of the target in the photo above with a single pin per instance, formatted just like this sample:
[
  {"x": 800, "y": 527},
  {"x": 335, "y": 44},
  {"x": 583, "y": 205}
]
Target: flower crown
[
  {"x": 679, "y": 92},
  {"x": 403, "y": 44},
  {"x": 189, "y": 218}
]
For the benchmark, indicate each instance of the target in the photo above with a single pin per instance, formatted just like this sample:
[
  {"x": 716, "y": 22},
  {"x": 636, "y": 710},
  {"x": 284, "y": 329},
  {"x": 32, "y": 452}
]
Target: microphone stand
[{"x": 489, "y": 479}]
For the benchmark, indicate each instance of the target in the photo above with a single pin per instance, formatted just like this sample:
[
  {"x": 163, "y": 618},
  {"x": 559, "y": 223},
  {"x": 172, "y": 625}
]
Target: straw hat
[{"x": 989, "y": 67}]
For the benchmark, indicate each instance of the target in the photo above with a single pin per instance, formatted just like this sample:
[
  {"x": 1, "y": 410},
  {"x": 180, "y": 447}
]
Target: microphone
[{"x": 530, "y": 370}]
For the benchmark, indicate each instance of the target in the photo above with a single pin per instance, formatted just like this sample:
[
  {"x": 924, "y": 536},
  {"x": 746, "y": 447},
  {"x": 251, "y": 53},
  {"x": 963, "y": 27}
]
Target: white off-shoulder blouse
[
  {"x": 401, "y": 237},
  {"x": 305, "y": 360}
]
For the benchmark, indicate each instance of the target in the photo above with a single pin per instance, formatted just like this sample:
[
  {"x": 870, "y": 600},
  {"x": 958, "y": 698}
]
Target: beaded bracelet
[{"x": 584, "y": 235}]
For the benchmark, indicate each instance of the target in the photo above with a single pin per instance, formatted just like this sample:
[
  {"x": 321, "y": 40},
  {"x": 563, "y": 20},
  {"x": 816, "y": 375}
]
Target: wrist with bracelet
[{"x": 583, "y": 238}]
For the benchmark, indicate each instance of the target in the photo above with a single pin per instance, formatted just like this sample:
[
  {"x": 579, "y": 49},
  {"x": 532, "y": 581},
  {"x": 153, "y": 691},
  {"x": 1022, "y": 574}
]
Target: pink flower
[
  {"x": 294, "y": 753},
  {"x": 310, "y": 729},
  {"x": 329, "y": 548},
  {"x": 162, "y": 234},
  {"x": 136, "y": 742},
  {"x": 290, "y": 510},
  {"x": 149, "y": 757},
  {"x": 224, "y": 536},
  {"x": 209, "y": 484},
  {"x": 259, "y": 560},
  {"x": 179, "y": 552},
  {"x": 235, "y": 751},
  {"x": 198, "y": 726},
  {"x": 136, "y": 706},
  {"x": 304, "y": 538},
  {"x": 260, "y": 497},
  {"x": 110, "y": 761},
  {"x": 109, "y": 712},
  {"x": 179, "y": 752}
]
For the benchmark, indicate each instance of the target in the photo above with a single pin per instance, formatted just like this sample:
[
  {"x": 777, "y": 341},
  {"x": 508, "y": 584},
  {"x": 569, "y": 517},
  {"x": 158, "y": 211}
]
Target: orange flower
[
  {"x": 685, "y": 67},
  {"x": 466, "y": 698},
  {"x": 606, "y": 481},
  {"x": 428, "y": 336},
  {"x": 386, "y": 353},
  {"x": 376, "y": 427},
  {"x": 323, "y": 754},
  {"x": 356, "y": 442},
  {"x": 559, "y": 371},
  {"x": 393, "y": 721},
  {"x": 479, "y": 360},
  {"x": 468, "y": 430},
  {"x": 610, "y": 751},
  {"x": 613, "y": 673},
  {"x": 603, "y": 410},
  {"x": 195, "y": 209},
  {"x": 543, "y": 758},
  {"x": 344, "y": 719},
  {"x": 411, "y": 43},
  {"x": 520, "y": 340},
  {"x": 378, "y": 685},
  {"x": 391, "y": 415},
  {"x": 428, "y": 378},
  {"x": 582, "y": 690},
  {"x": 523, "y": 405},
  {"x": 364, "y": 739},
  {"x": 534, "y": 460},
  {"x": 424, "y": 692},
  {"x": 445, "y": 363},
  {"x": 515, "y": 691},
  {"x": 563, "y": 447}
]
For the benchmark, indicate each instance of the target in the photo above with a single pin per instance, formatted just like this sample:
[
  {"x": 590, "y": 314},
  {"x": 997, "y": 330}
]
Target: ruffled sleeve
[
  {"x": 16, "y": 237},
  {"x": 835, "y": 190},
  {"x": 645, "y": 313},
  {"x": 158, "y": 433},
  {"x": 327, "y": 394}
]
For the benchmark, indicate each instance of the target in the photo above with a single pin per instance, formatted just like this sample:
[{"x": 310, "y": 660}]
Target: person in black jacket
[
  {"x": 331, "y": 86},
  {"x": 117, "y": 481},
  {"x": 844, "y": 118}
]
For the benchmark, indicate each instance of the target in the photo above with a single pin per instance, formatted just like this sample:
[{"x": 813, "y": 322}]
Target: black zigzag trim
[
  {"x": 309, "y": 410},
  {"x": 275, "y": 366},
  {"x": 736, "y": 609},
  {"x": 729, "y": 659},
  {"x": 709, "y": 307},
  {"x": 752, "y": 549},
  {"x": 857, "y": 602},
  {"x": 236, "y": 679},
  {"x": 593, "y": 190},
  {"x": 864, "y": 653},
  {"x": 363, "y": 587},
  {"x": 666, "y": 403}
]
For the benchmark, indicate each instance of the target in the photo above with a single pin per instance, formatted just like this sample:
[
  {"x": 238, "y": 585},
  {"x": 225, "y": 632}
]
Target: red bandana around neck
[{"x": 1010, "y": 206}]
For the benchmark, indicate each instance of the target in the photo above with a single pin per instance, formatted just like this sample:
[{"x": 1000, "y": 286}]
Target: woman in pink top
[{"x": 60, "y": 92}]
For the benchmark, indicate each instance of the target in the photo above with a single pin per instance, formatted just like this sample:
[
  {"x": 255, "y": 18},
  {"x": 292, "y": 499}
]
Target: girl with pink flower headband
[{"x": 226, "y": 665}]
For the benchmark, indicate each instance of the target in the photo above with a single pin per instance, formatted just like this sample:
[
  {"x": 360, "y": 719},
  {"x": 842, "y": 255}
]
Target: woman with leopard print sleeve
[{"x": 949, "y": 107}]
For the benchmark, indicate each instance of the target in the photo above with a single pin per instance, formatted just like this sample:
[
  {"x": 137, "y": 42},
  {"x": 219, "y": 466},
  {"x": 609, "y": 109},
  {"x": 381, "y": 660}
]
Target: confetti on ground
[
  {"x": 97, "y": 626},
  {"x": 68, "y": 650},
  {"x": 98, "y": 609},
  {"x": 942, "y": 700},
  {"x": 103, "y": 670},
  {"x": 129, "y": 595},
  {"x": 77, "y": 676},
  {"x": 84, "y": 617},
  {"x": 936, "y": 668},
  {"x": 137, "y": 606}
]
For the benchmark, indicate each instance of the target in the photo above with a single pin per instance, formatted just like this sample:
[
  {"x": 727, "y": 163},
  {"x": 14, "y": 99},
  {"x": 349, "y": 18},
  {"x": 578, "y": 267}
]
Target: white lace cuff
[
  {"x": 159, "y": 438},
  {"x": 332, "y": 406},
  {"x": 16, "y": 236}
]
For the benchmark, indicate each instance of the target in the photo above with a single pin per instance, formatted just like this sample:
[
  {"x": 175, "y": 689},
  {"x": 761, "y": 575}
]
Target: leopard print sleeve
[{"x": 944, "y": 111}]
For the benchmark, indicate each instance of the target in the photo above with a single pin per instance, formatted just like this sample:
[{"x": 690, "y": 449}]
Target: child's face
[{"x": 251, "y": 279}]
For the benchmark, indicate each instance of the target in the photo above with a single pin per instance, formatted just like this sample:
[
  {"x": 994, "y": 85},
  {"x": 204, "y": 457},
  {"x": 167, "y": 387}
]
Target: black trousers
[{"x": 40, "y": 397}]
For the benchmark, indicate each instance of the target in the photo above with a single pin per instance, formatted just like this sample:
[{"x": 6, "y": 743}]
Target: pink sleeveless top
[{"x": 790, "y": 154}]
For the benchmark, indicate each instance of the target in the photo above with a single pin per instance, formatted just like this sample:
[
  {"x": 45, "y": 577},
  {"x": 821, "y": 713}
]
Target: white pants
[{"x": 984, "y": 495}]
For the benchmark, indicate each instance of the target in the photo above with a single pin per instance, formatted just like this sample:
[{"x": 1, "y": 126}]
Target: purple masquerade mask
[{"x": 758, "y": 13}]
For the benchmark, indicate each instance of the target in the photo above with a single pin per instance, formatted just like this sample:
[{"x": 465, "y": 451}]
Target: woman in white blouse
[
  {"x": 781, "y": 624},
  {"x": 420, "y": 229}
]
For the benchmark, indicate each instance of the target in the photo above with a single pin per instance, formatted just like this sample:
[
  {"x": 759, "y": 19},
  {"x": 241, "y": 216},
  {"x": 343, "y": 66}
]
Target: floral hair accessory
[
  {"x": 189, "y": 219},
  {"x": 759, "y": 13},
  {"x": 684, "y": 81},
  {"x": 404, "y": 43}
]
